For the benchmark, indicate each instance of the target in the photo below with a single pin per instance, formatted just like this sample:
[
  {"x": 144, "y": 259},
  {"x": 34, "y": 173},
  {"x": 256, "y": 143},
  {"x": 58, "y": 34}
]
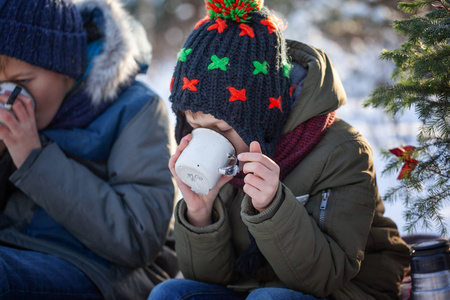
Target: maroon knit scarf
[{"x": 295, "y": 145}]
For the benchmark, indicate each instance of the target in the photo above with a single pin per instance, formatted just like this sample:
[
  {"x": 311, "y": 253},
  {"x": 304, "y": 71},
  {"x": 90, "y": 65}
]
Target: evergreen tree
[{"x": 422, "y": 83}]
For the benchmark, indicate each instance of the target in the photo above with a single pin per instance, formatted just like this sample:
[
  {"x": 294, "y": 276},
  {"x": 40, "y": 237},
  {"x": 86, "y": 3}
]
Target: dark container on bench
[{"x": 430, "y": 270}]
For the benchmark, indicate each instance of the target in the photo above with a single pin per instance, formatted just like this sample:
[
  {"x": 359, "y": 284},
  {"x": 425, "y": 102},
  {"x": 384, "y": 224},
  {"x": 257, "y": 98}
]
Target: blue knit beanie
[
  {"x": 44, "y": 33},
  {"x": 234, "y": 66}
]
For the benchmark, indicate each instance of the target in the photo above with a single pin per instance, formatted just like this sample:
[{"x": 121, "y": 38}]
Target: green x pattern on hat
[
  {"x": 260, "y": 67},
  {"x": 183, "y": 54},
  {"x": 287, "y": 67},
  {"x": 218, "y": 63}
]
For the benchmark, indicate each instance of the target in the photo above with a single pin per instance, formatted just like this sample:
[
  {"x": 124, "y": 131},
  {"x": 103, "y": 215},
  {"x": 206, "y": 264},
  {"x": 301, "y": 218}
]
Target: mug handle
[{"x": 230, "y": 170}]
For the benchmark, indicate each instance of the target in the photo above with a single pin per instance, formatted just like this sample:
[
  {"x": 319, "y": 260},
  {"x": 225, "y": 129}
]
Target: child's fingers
[
  {"x": 183, "y": 144},
  {"x": 261, "y": 184},
  {"x": 23, "y": 112},
  {"x": 258, "y": 157},
  {"x": 255, "y": 147},
  {"x": 20, "y": 110},
  {"x": 4, "y": 132},
  {"x": 3, "y": 98},
  {"x": 259, "y": 199},
  {"x": 256, "y": 182},
  {"x": 23, "y": 107},
  {"x": 252, "y": 192},
  {"x": 181, "y": 185},
  {"x": 261, "y": 193},
  {"x": 8, "y": 119},
  {"x": 173, "y": 159},
  {"x": 255, "y": 155},
  {"x": 28, "y": 104},
  {"x": 25, "y": 122},
  {"x": 256, "y": 168}
]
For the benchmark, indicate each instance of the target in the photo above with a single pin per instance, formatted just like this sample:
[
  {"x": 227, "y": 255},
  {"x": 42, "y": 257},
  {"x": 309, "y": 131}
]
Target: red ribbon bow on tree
[{"x": 405, "y": 155}]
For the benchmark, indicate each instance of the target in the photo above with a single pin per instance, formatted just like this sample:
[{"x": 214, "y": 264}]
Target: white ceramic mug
[
  {"x": 208, "y": 156},
  {"x": 10, "y": 86}
]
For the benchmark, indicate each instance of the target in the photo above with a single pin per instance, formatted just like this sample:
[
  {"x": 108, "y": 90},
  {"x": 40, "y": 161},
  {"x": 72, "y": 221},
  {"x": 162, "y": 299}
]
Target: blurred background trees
[{"x": 168, "y": 22}]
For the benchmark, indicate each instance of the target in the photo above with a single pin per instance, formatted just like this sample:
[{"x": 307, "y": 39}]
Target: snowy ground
[{"x": 360, "y": 70}]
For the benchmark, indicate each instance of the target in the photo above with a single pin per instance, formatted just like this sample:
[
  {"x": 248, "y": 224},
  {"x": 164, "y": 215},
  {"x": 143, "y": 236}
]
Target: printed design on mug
[{"x": 194, "y": 177}]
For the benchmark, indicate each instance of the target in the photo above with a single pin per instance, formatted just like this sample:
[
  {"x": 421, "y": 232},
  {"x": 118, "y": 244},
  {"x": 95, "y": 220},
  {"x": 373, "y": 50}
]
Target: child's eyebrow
[{"x": 20, "y": 74}]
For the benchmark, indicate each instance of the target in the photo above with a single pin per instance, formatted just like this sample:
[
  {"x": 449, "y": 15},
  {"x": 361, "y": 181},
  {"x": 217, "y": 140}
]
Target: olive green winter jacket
[{"x": 337, "y": 244}]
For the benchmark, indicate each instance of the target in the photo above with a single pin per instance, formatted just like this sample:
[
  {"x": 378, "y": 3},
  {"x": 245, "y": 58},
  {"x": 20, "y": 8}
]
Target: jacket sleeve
[
  {"x": 123, "y": 218},
  {"x": 305, "y": 257},
  {"x": 205, "y": 253}
]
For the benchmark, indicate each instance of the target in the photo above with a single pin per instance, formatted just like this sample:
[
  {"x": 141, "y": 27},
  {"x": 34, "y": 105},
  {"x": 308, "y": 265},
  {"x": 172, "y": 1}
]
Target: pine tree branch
[
  {"x": 415, "y": 6},
  {"x": 445, "y": 5},
  {"x": 422, "y": 84},
  {"x": 425, "y": 210}
]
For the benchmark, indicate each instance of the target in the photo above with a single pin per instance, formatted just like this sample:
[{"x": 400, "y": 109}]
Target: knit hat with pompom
[{"x": 234, "y": 66}]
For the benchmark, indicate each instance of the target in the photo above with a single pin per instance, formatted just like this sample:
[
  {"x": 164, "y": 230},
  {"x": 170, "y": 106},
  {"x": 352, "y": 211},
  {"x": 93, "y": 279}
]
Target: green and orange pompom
[{"x": 236, "y": 10}]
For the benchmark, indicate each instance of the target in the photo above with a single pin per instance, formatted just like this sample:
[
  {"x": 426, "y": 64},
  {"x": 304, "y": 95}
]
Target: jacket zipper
[{"x": 323, "y": 206}]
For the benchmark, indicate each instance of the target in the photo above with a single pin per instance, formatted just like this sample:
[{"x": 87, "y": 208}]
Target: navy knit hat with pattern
[
  {"x": 234, "y": 67},
  {"x": 45, "y": 33}
]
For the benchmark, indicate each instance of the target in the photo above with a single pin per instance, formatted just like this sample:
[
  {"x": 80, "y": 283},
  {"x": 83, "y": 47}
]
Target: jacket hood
[
  {"x": 125, "y": 48},
  {"x": 322, "y": 90}
]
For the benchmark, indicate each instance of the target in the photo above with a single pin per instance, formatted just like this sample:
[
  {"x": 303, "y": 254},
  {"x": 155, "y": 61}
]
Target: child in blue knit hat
[
  {"x": 85, "y": 193},
  {"x": 303, "y": 220}
]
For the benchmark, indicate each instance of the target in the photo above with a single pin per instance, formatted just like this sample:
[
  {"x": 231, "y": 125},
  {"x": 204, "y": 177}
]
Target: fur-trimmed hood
[{"x": 126, "y": 49}]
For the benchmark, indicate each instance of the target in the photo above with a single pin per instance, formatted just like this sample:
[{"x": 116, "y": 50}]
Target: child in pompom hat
[
  {"x": 85, "y": 193},
  {"x": 303, "y": 220}
]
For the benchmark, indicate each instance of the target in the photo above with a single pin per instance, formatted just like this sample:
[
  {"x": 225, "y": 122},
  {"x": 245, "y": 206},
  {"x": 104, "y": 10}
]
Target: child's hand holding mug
[
  {"x": 262, "y": 179},
  {"x": 18, "y": 125},
  {"x": 202, "y": 170}
]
